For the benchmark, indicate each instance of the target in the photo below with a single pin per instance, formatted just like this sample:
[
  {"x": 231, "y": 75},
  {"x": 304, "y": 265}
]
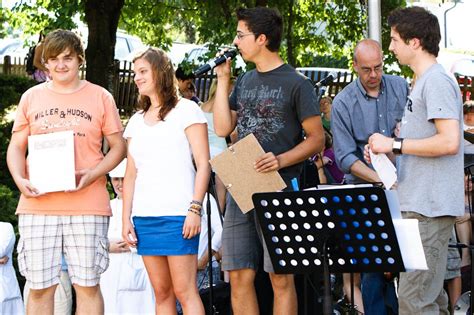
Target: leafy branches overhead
[
  {"x": 45, "y": 15},
  {"x": 325, "y": 28},
  {"x": 312, "y": 27},
  {"x": 151, "y": 21},
  {"x": 391, "y": 63}
]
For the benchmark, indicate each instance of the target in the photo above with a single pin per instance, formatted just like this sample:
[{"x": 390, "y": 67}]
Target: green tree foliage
[
  {"x": 330, "y": 30},
  {"x": 101, "y": 17},
  {"x": 4, "y": 17},
  {"x": 5, "y": 177},
  {"x": 312, "y": 27},
  {"x": 390, "y": 59},
  {"x": 11, "y": 89},
  {"x": 44, "y": 15},
  {"x": 8, "y": 202}
]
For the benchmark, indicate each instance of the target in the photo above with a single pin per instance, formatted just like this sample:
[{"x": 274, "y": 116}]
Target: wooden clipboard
[{"x": 235, "y": 167}]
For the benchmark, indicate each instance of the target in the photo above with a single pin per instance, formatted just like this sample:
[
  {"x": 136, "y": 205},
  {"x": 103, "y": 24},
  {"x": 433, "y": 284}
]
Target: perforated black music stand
[{"x": 334, "y": 230}]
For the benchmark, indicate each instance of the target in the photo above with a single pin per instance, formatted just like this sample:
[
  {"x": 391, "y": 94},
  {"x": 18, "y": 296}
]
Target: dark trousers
[{"x": 378, "y": 294}]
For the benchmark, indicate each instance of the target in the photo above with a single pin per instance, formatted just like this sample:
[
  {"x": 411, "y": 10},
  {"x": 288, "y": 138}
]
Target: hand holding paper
[
  {"x": 85, "y": 177},
  {"x": 384, "y": 168},
  {"x": 27, "y": 189}
]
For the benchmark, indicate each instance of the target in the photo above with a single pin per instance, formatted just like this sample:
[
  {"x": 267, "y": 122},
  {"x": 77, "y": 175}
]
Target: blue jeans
[
  {"x": 378, "y": 295},
  {"x": 202, "y": 278}
]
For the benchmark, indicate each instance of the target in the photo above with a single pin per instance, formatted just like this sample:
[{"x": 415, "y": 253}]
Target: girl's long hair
[{"x": 165, "y": 82}]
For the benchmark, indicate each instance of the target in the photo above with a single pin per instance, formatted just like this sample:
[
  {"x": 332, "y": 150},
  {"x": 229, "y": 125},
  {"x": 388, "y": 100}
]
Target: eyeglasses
[
  {"x": 242, "y": 35},
  {"x": 376, "y": 69}
]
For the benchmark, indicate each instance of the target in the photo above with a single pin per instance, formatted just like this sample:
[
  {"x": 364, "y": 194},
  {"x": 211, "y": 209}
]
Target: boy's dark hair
[
  {"x": 267, "y": 21},
  {"x": 417, "y": 22},
  {"x": 182, "y": 75}
]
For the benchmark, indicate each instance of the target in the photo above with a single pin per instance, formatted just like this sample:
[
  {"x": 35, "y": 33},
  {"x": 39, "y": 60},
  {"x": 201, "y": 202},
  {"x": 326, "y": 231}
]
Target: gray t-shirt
[
  {"x": 272, "y": 105},
  {"x": 431, "y": 186}
]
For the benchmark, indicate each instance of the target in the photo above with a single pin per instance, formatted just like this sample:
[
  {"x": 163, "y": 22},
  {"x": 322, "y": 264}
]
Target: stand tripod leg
[
  {"x": 472, "y": 280},
  {"x": 327, "y": 300},
  {"x": 213, "y": 190},
  {"x": 352, "y": 290},
  {"x": 209, "y": 253}
]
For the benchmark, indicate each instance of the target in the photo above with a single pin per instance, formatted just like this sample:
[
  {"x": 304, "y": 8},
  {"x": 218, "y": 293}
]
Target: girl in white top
[
  {"x": 162, "y": 190},
  {"x": 10, "y": 296}
]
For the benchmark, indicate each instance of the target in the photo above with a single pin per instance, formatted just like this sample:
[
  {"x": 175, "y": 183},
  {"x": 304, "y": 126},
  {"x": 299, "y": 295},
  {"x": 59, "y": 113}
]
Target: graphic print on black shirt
[{"x": 261, "y": 112}]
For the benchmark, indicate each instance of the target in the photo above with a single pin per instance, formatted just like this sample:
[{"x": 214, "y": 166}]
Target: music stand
[
  {"x": 338, "y": 230},
  {"x": 211, "y": 190}
]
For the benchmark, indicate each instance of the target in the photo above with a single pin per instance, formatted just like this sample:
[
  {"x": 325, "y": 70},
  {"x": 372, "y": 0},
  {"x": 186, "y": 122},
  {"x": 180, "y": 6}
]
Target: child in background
[
  {"x": 325, "y": 105},
  {"x": 329, "y": 172},
  {"x": 125, "y": 284},
  {"x": 10, "y": 296}
]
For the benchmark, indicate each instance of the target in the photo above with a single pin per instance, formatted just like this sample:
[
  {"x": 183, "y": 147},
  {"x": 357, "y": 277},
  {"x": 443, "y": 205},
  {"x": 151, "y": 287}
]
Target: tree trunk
[{"x": 102, "y": 18}]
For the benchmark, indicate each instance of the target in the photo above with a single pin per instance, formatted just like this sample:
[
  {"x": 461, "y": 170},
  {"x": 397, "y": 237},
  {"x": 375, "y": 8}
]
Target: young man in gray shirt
[
  {"x": 430, "y": 162},
  {"x": 372, "y": 103}
]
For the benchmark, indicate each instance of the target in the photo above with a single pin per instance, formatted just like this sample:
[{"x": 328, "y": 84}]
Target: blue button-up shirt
[{"x": 355, "y": 116}]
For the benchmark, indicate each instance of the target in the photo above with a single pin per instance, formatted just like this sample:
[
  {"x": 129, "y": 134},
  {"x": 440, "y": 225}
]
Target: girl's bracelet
[
  {"x": 195, "y": 212},
  {"x": 195, "y": 207},
  {"x": 196, "y": 202}
]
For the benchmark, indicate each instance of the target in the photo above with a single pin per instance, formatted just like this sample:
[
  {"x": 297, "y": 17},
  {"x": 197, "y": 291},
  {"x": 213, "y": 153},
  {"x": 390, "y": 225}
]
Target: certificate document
[{"x": 51, "y": 161}]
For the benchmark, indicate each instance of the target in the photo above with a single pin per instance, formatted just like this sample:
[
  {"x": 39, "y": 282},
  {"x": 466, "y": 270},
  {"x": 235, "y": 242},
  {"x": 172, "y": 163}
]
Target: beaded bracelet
[
  {"x": 195, "y": 212},
  {"x": 196, "y": 202},
  {"x": 195, "y": 207}
]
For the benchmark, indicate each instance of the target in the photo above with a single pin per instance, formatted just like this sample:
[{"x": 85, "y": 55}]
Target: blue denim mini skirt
[{"x": 162, "y": 236}]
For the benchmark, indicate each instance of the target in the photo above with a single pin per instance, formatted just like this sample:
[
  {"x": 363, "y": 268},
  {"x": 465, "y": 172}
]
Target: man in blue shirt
[{"x": 371, "y": 104}]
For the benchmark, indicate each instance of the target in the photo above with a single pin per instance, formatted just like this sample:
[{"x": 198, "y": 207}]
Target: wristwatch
[{"x": 397, "y": 145}]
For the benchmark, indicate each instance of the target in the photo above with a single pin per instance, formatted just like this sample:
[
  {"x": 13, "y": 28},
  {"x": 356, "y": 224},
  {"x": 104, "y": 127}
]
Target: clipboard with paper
[{"x": 235, "y": 167}]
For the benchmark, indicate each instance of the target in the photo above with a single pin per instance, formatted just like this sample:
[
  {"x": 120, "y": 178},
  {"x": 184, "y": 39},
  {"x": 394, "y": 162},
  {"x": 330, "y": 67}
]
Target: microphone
[
  {"x": 213, "y": 63},
  {"x": 331, "y": 76}
]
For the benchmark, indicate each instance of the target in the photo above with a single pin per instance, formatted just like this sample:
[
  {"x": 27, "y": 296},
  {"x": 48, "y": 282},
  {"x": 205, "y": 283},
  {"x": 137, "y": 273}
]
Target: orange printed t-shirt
[{"x": 91, "y": 113}]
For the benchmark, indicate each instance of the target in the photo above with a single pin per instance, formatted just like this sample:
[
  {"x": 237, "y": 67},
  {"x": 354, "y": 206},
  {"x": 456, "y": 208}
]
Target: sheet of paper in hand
[
  {"x": 384, "y": 168},
  {"x": 51, "y": 161}
]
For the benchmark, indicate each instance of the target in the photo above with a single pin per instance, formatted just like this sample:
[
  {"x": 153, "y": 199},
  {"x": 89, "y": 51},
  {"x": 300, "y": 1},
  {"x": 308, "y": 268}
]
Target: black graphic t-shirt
[{"x": 272, "y": 105}]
